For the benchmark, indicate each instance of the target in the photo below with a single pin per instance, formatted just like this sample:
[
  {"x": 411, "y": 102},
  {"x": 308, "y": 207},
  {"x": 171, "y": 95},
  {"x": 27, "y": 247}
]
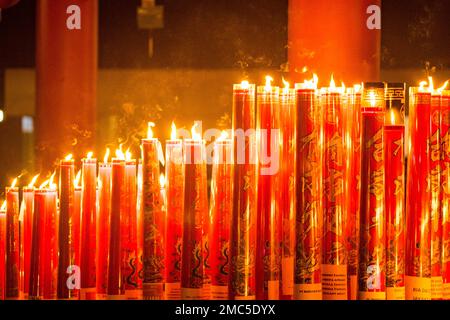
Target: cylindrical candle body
[
  {"x": 88, "y": 230},
  {"x": 28, "y": 202},
  {"x": 103, "y": 225},
  {"x": 307, "y": 268},
  {"x": 2, "y": 253},
  {"x": 50, "y": 252},
  {"x": 221, "y": 211},
  {"x": 372, "y": 257},
  {"x": 140, "y": 227},
  {"x": 174, "y": 224},
  {"x": 445, "y": 165},
  {"x": 77, "y": 226},
  {"x": 268, "y": 254},
  {"x": 66, "y": 236},
  {"x": 334, "y": 251},
  {"x": 418, "y": 198},
  {"x": 395, "y": 190},
  {"x": 195, "y": 213},
  {"x": 115, "y": 281},
  {"x": 129, "y": 243},
  {"x": 352, "y": 187},
  {"x": 153, "y": 223},
  {"x": 12, "y": 244},
  {"x": 242, "y": 283}
]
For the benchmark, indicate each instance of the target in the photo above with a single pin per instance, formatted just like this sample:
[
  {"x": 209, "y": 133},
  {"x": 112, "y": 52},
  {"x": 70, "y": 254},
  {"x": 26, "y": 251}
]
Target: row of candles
[{"x": 328, "y": 223}]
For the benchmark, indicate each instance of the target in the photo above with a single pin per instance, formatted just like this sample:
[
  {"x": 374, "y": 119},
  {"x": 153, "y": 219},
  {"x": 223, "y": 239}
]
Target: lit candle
[
  {"x": 287, "y": 189},
  {"x": 334, "y": 251},
  {"x": 77, "y": 220},
  {"x": 195, "y": 214},
  {"x": 153, "y": 223},
  {"x": 28, "y": 209},
  {"x": 418, "y": 197},
  {"x": 129, "y": 243},
  {"x": 394, "y": 190},
  {"x": 140, "y": 228},
  {"x": 221, "y": 211},
  {"x": 372, "y": 257},
  {"x": 445, "y": 138},
  {"x": 88, "y": 228},
  {"x": 174, "y": 225},
  {"x": 12, "y": 242},
  {"x": 352, "y": 185},
  {"x": 66, "y": 236},
  {"x": 103, "y": 225},
  {"x": 115, "y": 278},
  {"x": 2, "y": 250},
  {"x": 307, "y": 266},
  {"x": 242, "y": 284}
]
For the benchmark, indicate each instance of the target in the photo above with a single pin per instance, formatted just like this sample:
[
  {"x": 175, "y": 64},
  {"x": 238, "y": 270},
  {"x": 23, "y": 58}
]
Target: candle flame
[
  {"x": 422, "y": 85},
  {"x": 304, "y": 69},
  {"x": 150, "y": 125},
  {"x": 268, "y": 86},
  {"x": 162, "y": 180},
  {"x": 430, "y": 84},
  {"x": 52, "y": 184},
  {"x": 357, "y": 87},
  {"x": 119, "y": 153},
  {"x": 245, "y": 84},
  {"x": 128, "y": 155},
  {"x": 392, "y": 116},
  {"x": 106, "y": 157},
  {"x": 77, "y": 180},
  {"x": 372, "y": 98},
  {"x": 33, "y": 181},
  {"x": 195, "y": 135},
  {"x": 3, "y": 207},
  {"x": 332, "y": 83},
  {"x": 286, "y": 85},
  {"x": 89, "y": 155},
  {"x": 68, "y": 157},
  {"x": 342, "y": 87},
  {"x": 310, "y": 84},
  {"x": 44, "y": 184},
  {"x": 442, "y": 88},
  {"x": 173, "y": 133},
  {"x": 223, "y": 136},
  {"x": 13, "y": 184}
]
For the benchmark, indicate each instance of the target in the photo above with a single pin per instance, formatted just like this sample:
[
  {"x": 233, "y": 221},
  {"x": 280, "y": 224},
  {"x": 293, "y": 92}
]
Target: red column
[
  {"x": 332, "y": 36},
  {"x": 66, "y": 78}
]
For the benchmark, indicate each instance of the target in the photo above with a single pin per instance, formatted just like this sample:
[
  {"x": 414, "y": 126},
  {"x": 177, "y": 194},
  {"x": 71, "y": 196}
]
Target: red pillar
[
  {"x": 332, "y": 37},
  {"x": 66, "y": 80}
]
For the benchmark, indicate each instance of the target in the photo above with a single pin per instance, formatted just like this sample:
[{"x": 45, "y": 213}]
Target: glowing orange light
[
  {"x": 150, "y": 125},
  {"x": 245, "y": 84},
  {"x": 162, "y": 180},
  {"x": 106, "y": 157},
  {"x": 372, "y": 98},
  {"x": 13, "y": 184},
  {"x": 3, "y": 207},
  {"x": 77, "y": 180},
  {"x": 223, "y": 136},
  {"x": 68, "y": 157},
  {"x": 442, "y": 88},
  {"x": 173, "y": 133},
  {"x": 332, "y": 83},
  {"x": 128, "y": 155},
  {"x": 286, "y": 85},
  {"x": 89, "y": 155},
  {"x": 33, "y": 181},
  {"x": 268, "y": 86},
  {"x": 195, "y": 135},
  {"x": 52, "y": 184},
  {"x": 119, "y": 153}
]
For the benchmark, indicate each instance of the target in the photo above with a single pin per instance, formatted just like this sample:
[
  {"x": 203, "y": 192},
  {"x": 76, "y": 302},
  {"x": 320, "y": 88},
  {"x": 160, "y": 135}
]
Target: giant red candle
[
  {"x": 308, "y": 172},
  {"x": 66, "y": 236},
  {"x": 115, "y": 278},
  {"x": 174, "y": 209},
  {"x": 334, "y": 251},
  {"x": 221, "y": 210},
  {"x": 394, "y": 130},
  {"x": 12, "y": 243},
  {"x": 153, "y": 223},
  {"x": 2, "y": 249},
  {"x": 352, "y": 188},
  {"x": 445, "y": 136},
  {"x": 88, "y": 228},
  {"x": 195, "y": 213},
  {"x": 418, "y": 197},
  {"x": 77, "y": 220},
  {"x": 50, "y": 247},
  {"x": 372, "y": 257},
  {"x": 242, "y": 284},
  {"x": 103, "y": 225}
]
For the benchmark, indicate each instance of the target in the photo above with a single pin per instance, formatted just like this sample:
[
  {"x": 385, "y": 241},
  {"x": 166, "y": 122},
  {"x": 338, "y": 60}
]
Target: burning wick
[{"x": 173, "y": 133}]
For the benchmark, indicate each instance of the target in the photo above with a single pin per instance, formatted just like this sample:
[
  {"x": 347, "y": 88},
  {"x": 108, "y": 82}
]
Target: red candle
[
  {"x": 268, "y": 254},
  {"x": 221, "y": 211},
  {"x": 394, "y": 191},
  {"x": 174, "y": 225},
  {"x": 2, "y": 250},
  {"x": 435, "y": 181},
  {"x": 372, "y": 257},
  {"x": 50, "y": 247},
  {"x": 12, "y": 242},
  {"x": 153, "y": 223},
  {"x": 88, "y": 229},
  {"x": 195, "y": 213},
  {"x": 129, "y": 244},
  {"x": 103, "y": 225},
  {"x": 352, "y": 189},
  {"x": 418, "y": 198},
  {"x": 445, "y": 164},
  {"x": 242, "y": 284},
  {"x": 115, "y": 278},
  {"x": 28, "y": 209},
  {"x": 140, "y": 228},
  {"x": 287, "y": 189},
  {"x": 334, "y": 251},
  {"x": 77, "y": 220},
  {"x": 66, "y": 236},
  {"x": 307, "y": 266}
]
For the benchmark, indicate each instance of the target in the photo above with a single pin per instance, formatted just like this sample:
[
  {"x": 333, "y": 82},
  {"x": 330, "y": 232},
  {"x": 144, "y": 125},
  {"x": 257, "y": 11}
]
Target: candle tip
[
  {"x": 150, "y": 125},
  {"x": 33, "y": 181},
  {"x": 173, "y": 133}
]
